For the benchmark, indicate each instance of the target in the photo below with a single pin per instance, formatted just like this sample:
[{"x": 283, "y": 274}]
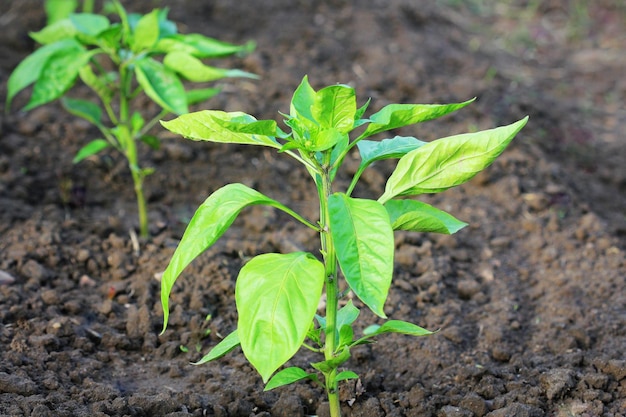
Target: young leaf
[
  {"x": 346, "y": 334},
  {"x": 302, "y": 100},
  {"x": 91, "y": 148},
  {"x": 372, "y": 151},
  {"x": 277, "y": 296},
  {"x": 448, "y": 162},
  {"x": 192, "y": 69},
  {"x": 29, "y": 70},
  {"x": 345, "y": 375},
  {"x": 97, "y": 84},
  {"x": 363, "y": 239},
  {"x": 89, "y": 24},
  {"x": 216, "y": 126},
  {"x": 393, "y": 116},
  {"x": 84, "y": 109},
  {"x": 62, "y": 29},
  {"x": 416, "y": 216},
  {"x": 334, "y": 107},
  {"x": 396, "y": 326},
  {"x": 225, "y": 346},
  {"x": 152, "y": 141},
  {"x": 333, "y": 363},
  {"x": 58, "y": 75},
  {"x": 146, "y": 32},
  {"x": 161, "y": 85},
  {"x": 200, "y": 46},
  {"x": 347, "y": 315},
  {"x": 209, "y": 222},
  {"x": 201, "y": 94},
  {"x": 289, "y": 376}
]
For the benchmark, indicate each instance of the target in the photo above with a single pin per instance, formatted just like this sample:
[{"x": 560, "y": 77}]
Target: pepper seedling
[
  {"x": 277, "y": 295},
  {"x": 120, "y": 61}
]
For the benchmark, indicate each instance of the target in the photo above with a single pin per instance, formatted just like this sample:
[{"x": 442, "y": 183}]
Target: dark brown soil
[{"x": 530, "y": 299}]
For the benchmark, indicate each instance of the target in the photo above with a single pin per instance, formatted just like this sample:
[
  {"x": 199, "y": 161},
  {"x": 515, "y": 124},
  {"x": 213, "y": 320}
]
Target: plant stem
[
  {"x": 129, "y": 148},
  {"x": 332, "y": 290}
]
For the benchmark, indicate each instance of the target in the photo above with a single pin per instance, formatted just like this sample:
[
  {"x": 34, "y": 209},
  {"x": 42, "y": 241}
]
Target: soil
[{"x": 530, "y": 298}]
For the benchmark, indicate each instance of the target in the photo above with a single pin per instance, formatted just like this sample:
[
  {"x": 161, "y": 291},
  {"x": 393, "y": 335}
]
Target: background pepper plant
[
  {"x": 120, "y": 61},
  {"x": 277, "y": 295}
]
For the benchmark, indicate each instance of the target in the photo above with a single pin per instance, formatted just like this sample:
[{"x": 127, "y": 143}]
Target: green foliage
[
  {"x": 139, "y": 55},
  {"x": 277, "y": 294}
]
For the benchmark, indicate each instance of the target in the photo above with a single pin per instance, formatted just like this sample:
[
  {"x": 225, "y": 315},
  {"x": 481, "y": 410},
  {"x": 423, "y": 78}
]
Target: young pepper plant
[
  {"x": 119, "y": 61},
  {"x": 277, "y": 295}
]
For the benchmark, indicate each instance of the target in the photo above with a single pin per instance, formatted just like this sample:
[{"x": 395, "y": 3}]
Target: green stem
[
  {"x": 130, "y": 150},
  {"x": 332, "y": 290}
]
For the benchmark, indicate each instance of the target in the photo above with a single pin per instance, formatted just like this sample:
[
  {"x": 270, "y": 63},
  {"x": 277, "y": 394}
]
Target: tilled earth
[{"x": 530, "y": 298}]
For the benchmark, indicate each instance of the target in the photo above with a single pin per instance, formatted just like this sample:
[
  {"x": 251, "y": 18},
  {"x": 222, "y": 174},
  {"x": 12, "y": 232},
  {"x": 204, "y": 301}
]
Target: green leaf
[
  {"x": 89, "y": 24},
  {"x": 201, "y": 94},
  {"x": 416, "y": 216},
  {"x": 59, "y": 9},
  {"x": 152, "y": 141},
  {"x": 334, "y": 107},
  {"x": 84, "y": 109},
  {"x": 208, "y": 224},
  {"x": 277, "y": 296},
  {"x": 347, "y": 314},
  {"x": 223, "y": 127},
  {"x": 58, "y": 75},
  {"x": 200, "y": 46},
  {"x": 97, "y": 84},
  {"x": 161, "y": 85},
  {"x": 372, "y": 151},
  {"x": 288, "y": 376},
  {"x": 302, "y": 100},
  {"x": 396, "y": 326},
  {"x": 194, "y": 70},
  {"x": 224, "y": 347},
  {"x": 363, "y": 239},
  {"x": 448, "y": 162},
  {"x": 346, "y": 334},
  {"x": 345, "y": 375},
  {"x": 146, "y": 32},
  {"x": 91, "y": 148},
  {"x": 394, "y": 116},
  {"x": 62, "y": 29},
  {"x": 29, "y": 70}
]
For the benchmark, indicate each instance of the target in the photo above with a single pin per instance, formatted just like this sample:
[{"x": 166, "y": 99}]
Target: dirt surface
[{"x": 530, "y": 298}]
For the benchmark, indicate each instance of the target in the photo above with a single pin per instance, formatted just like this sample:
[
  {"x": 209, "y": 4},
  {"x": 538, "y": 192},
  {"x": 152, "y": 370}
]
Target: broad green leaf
[
  {"x": 110, "y": 40},
  {"x": 200, "y": 46},
  {"x": 396, "y": 326},
  {"x": 201, "y": 94},
  {"x": 363, "y": 239},
  {"x": 302, "y": 100},
  {"x": 394, "y": 116},
  {"x": 84, "y": 109},
  {"x": 58, "y": 75},
  {"x": 91, "y": 148},
  {"x": 97, "y": 84},
  {"x": 334, "y": 107},
  {"x": 161, "y": 85},
  {"x": 289, "y": 376},
  {"x": 208, "y": 224},
  {"x": 166, "y": 26},
  {"x": 224, "y": 347},
  {"x": 277, "y": 296},
  {"x": 416, "y": 216},
  {"x": 59, "y": 9},
  {"x": 345, "y": 375},
  {"x": 194, "y": 70},
  {"x": 448, "y": 162},
  {"x": 145, "y": 32},
  {"x": 29, "y": 70},
  {"x": 217, "y": 126}
]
